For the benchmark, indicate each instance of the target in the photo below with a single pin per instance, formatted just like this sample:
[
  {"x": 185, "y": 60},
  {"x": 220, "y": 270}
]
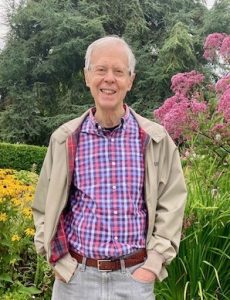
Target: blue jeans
[{"x": 88, "y": 283}]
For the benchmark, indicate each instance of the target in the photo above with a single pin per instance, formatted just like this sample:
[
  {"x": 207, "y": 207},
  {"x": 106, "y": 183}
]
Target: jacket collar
[{"x": 154, "y": 130}]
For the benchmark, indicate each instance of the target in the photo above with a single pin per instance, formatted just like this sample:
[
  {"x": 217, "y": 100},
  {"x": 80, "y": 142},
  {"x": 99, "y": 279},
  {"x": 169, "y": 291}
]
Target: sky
[{"x": 3, "y": 27}]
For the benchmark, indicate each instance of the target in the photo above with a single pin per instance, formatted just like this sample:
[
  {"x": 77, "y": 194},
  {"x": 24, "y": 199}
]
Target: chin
[{"x": 108, "y": 104}]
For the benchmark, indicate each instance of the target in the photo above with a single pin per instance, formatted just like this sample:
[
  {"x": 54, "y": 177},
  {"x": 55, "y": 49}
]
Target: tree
[
  {"x": 44, "y": 56},
  {"x": 217, "y": 20},
  {"x": 176, "y": 55},
  {"x": 42, "y": 62}
]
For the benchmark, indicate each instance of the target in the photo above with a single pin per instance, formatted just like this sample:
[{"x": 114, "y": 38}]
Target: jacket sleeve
[
  {"x": 164, "y": 242},
  {"x": 39, "y": 203}
]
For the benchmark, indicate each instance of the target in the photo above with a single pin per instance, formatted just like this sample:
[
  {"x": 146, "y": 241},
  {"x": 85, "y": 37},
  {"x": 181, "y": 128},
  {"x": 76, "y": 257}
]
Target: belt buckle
[{"x": 103, "y": 260}]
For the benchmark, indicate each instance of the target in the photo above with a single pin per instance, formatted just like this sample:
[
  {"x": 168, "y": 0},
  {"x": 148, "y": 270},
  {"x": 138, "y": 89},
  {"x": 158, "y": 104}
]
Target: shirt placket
[{"x": 114, "y": 190}]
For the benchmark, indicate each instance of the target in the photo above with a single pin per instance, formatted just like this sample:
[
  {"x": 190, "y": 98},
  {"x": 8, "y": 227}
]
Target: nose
[{"x": 109, "y": 76}]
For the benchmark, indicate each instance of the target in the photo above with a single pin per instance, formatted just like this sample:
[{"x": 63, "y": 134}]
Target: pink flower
[
  {"x": 198, "y": 107},
  {"x": 224, "y": 105},
  {"x": 225, "y": 48},
  {"x": 222, "y": 84},
  {"x": 175, "y": 120},
  {"x": 212, "y": 44},
  {"x": 167, "y": 106},
  {"x": 179, "y": 115},
  {"x": 183, "y": 82}
]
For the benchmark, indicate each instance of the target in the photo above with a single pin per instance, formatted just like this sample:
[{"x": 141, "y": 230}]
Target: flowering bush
[
  {"x": 181, "y": 113},
  {"x": 198, "y": 118},
  {"x": 182, "y": 83},
  {"x": 213, "y": 45},
  {"x": 223, "y": 93},
  {"x": 188, "y": 113},
  {"x": 18, "y": 260}
]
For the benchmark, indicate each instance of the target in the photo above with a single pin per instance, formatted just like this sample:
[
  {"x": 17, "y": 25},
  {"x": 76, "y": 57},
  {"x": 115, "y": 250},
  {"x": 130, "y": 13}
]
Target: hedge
[{"x": 21, "y": 156}]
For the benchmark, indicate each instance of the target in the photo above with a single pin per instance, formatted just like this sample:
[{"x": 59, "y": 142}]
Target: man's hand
[{"x": 144, "y": 275}]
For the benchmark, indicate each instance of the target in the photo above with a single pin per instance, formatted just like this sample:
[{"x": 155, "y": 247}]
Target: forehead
[{"x": 110, "y": 53}]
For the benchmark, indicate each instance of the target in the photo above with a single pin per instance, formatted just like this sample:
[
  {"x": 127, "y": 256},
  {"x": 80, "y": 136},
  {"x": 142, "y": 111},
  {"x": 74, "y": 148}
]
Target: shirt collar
[{"x": 94, "y": 127}]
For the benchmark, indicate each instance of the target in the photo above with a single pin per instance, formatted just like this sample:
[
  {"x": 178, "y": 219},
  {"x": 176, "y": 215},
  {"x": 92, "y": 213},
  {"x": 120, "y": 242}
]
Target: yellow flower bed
[
  {"x": 19, "y": 262},
  {"x": 16, "y": 194}
]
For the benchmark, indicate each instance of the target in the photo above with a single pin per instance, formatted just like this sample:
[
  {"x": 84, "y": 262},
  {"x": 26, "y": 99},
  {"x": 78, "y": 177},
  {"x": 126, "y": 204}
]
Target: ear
[
  {"x": 131, "y": 79},
  {"x": 87, "y": 80}
]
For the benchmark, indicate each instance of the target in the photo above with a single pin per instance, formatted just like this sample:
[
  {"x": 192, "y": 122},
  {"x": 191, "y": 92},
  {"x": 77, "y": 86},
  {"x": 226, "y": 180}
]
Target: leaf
[
  {"x": 6, "y": 277},
  {"x": 29, "y": 290}
]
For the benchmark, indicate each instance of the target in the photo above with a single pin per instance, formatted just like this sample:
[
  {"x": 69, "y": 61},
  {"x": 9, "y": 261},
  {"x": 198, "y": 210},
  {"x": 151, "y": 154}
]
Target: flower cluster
[
  {"x": 217, "y": 44},
  {"x": 181, "y": 112},
  {"x": 223, "y": 84},
  {"x": 225, "y": 49},
  {"x": 182, "y": 83},
  {"x": 15, "y": 206},
  {"x": 223, "y": 94},
  {"x": 224, "y": 105}
]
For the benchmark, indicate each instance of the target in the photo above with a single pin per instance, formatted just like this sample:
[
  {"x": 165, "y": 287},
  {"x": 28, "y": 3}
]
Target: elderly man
[{"x": 110, "y": 198}]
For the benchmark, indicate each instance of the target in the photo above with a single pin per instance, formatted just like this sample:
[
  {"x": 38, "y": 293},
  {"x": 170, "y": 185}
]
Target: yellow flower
[
  {"x": 15, "y": 237},
  {"x": 30, "y": 231},
  {"x": 27, "y": 211},
  {"x": 3, "y": 217},
  {"x": 16, "y": 201}
]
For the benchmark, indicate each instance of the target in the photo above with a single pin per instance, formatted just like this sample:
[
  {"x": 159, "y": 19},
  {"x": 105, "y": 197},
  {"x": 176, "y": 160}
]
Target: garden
[
  {"x": 188, "y": 66},
  {"x": 201, "y": 130}
]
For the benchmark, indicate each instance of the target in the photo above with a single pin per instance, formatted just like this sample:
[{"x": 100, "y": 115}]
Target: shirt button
[
  {"x": 114, "y": 187},
  {"x": 115, "y": 212},
  {"x": 112, "y": 139},
  {"x": 113, "y": 163},
  {"x": 115, "y": 238}
]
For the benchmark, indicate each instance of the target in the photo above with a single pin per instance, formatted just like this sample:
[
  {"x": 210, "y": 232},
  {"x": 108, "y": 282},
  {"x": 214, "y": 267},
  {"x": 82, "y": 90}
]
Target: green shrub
[
  {"x": 201, "y": 269},
  {"x": 21, "y": 157}
]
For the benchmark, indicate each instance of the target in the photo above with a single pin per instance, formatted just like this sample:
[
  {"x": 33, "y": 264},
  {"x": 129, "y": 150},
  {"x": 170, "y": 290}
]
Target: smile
[{"x": 108, "y": 91}]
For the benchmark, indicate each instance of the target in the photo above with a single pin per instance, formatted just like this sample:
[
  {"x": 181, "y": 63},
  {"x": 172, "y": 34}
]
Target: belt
[{"x": 112, "y": 264}]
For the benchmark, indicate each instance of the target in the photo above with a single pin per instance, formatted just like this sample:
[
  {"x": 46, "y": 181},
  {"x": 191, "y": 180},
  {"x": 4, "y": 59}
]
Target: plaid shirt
[{"x": 106, "y": 214}]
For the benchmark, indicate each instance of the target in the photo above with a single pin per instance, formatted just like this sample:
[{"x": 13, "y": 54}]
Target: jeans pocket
[
  {"x": 140, "y": 281},
  {"x": 130, "y": 272}
]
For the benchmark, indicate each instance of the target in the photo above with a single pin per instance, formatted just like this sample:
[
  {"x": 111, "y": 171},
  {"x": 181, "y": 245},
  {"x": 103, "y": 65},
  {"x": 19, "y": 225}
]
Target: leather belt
[{"x": 112, "y": 264}]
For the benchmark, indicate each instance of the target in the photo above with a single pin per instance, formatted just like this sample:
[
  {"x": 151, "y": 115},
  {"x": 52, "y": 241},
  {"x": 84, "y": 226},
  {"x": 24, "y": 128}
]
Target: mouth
[{"x": 108, "y": 91}]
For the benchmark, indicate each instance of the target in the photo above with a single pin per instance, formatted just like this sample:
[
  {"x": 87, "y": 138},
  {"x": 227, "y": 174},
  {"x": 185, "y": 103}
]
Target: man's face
[{"x": 108, "y": 78}]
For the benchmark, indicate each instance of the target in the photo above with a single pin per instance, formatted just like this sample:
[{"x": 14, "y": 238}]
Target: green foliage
[
  {"x": 217, "y": 20},
  {"x": 176, "y": 55},
  {"x": 21, "y": 157},
  {"x": 41, "y": 66},
  {"x": 201, "y": 269}
]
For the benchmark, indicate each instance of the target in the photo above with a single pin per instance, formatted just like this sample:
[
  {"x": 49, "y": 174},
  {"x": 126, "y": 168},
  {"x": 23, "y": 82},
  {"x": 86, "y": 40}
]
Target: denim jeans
[{"x": 88, "y": 283}]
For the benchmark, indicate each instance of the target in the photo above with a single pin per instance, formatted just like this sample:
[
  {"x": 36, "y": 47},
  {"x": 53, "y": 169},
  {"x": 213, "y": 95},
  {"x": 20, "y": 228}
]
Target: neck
[{"x": 109, "y": 118}]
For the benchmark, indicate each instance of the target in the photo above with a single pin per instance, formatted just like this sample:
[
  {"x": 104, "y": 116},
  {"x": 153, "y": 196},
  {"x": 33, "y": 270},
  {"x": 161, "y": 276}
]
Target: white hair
[{"x": 111, "y": 39}]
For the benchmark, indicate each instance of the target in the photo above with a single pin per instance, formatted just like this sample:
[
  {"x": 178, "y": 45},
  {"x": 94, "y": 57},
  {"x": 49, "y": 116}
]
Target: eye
[
  {"x": 119, "y": 72},
  {"x": 100, "y": 70}
]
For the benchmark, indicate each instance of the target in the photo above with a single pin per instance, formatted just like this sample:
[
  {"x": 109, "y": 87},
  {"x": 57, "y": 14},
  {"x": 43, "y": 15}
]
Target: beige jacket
[{"x": 165, "y": 196}]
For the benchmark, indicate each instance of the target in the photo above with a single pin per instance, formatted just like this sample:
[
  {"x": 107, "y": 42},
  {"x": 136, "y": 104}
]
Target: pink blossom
[
  {"x": 225, "y": 48},
  {"x": 178, "y": 115},
  {"x": 175, "y": 120},
  {"x": 183, "y": 82},
  {"x": 222, "y": 84},
  {"x": 198, "y": 107},
  {"x": 212, "y": 44},
  {"x": 167, "y": 106},
  {"x": 224, "y": 105}
]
